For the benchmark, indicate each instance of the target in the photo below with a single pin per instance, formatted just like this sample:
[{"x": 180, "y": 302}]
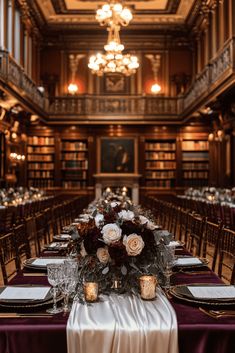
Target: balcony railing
[
  {"x": 13, "y": 73},
  {"x": 135, "y": 106}
]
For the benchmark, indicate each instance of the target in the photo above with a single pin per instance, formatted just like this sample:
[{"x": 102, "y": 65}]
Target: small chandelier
[
  {"x": 113, "y": 60},
  {"x": 113, "y": 15}
]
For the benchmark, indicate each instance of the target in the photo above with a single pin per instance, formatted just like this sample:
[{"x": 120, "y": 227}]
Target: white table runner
[{"x": 123, "y": 324}]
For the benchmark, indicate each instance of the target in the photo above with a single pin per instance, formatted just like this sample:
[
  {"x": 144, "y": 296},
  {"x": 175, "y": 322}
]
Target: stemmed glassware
[
  {"x": 167, "y": 265},
  {"x": 68, "y": 281},
  {"x": 53, "y": 276}
]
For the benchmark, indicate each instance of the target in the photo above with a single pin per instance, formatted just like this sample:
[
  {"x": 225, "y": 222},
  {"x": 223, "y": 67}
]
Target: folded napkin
[
  {"x": 45, "y": 261},
  {"x": 24, "y": 293},
  {"x": 187, "y": 261},
  {"x": 212, "y": 292}
]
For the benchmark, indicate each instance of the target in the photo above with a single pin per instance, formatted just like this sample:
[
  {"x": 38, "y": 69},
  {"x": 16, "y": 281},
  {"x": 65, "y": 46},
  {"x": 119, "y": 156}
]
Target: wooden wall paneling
[
  {"x": 141, "y": 163},
  {"x": 92, "y": 160}
]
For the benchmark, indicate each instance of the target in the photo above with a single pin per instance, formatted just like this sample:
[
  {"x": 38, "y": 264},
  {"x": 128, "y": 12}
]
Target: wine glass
[
  {"x": 53, "y": 277},
  {"x": 68, "y": 281},
  {"x": 167, "y": 265}
]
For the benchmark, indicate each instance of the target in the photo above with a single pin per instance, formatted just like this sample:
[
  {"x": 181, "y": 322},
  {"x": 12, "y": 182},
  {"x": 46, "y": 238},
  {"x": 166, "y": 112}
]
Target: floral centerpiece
[{"x": 116, "y": 243}]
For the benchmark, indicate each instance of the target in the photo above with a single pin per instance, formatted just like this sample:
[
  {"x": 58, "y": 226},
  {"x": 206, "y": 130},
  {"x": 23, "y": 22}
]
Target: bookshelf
[
  {"x": 74, "y": 163},
  {"x": 195, "y": 162},
  {"x": 2, "y": 156},
  {"x": 40, "y": 161},
  {"x": 160, "y": 163}
]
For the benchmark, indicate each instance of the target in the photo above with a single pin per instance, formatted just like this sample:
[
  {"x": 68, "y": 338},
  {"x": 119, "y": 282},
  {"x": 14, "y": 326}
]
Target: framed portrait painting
[
  {"x": 117, "y": 155},
  {"x": 115, "y": 84}
]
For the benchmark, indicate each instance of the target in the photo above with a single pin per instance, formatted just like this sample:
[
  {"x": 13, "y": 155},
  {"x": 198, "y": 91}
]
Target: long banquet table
[{"x": 197, "y": 332}]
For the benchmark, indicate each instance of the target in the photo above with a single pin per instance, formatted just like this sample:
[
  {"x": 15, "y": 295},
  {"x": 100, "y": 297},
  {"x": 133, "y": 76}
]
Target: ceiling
[{"x": 82, "y": 12}]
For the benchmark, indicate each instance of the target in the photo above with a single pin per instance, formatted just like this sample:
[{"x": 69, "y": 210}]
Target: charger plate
[
  {"x": 23, "y": 305},
  {"x": 203, "y": 263},
  {"x": 182, "y": 293},
  {"x": 29, "y": 263}
]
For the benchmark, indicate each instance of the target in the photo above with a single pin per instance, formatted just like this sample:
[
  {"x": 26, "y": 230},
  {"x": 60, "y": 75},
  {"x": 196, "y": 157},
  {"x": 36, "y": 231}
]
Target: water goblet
[
  {"x": 68, "y": 282},
  {"x": 53, "y": 277}
]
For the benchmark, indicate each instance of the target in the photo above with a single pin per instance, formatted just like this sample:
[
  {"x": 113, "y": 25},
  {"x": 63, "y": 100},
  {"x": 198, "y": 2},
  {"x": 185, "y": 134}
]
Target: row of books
[
  {"x": 39, "y": 157},
  {"x": 75, "y": 174},
  {"x": 41, "y": 174},
  {"x": 160, "y": 155},
  {"x": 75, "y": 164},
  {"x": 195, "y": 182},
  {"x": 40, "y": 166},
  {"x": 41, "y": 183},
  {"x": 41, "y": 140},
  {"x": 160, "y": 183},
  {"x": 195, "y": 145},
  {"x": 159, "y": 146},
  {"x": 160, "y": 174},
  {"x": 73, "y": 156},
  {"x": 74, "y": 146},
  {"x": 41, "y": 149},
  {"x": 161, "y": 164},
  {"x": 193, "y": 165},
  {"x": 196, "y": 174},
  {"x": 74, "y": 184},
  {"x": 195, "y": 156}
]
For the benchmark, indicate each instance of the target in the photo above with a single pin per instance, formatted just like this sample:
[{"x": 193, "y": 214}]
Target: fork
[{"x": 216, "y": 314}]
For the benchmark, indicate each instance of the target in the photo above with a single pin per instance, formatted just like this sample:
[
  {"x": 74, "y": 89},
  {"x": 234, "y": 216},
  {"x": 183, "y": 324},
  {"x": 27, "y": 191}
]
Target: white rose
[
  {"x": 99, "y": 219},
  {"x": 134, "y": 244},
  {"x": 103, "y": 255},
  {"x": 111, "y": 233},
  {"x": 126, "y": 215},
  {"x": 115, "y": 203},
  {"x": 149, "y": 225}
]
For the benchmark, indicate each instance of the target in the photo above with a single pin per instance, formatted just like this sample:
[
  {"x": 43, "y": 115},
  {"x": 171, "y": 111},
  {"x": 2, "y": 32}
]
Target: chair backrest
[
  {"x": 226, "y": 268},
  {"x": 211, "y": 239},
  {"x": 22, "y": 242},
  {"x": 195, "y": 234},
  {"x": 31, "y": 235},
  {"x": 7, "y": 219},
  {"x": 9, "y": 259}
]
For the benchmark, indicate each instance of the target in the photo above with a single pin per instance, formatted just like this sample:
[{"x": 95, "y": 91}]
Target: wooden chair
[
  {"x": 7, "y": 219},
  {"x": 30, "y": 225},
  {"x": 226, "y": 269},
  {"x": 183, "y": 225},
  {"x": 195, "y": 234},
  {"x": 21, "y": 242},
  {"x": 42, "y": 235},
  {"x": 9, "y": 259},
  {"x": 211, "y": 239}
]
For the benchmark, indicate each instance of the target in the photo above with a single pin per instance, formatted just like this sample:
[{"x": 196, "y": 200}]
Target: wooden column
[{"x": 213, "y": 31}]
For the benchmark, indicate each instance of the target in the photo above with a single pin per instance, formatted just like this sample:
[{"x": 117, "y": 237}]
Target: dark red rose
[
  {"x": 117, "y": 252},
  {"x": 92, "y": 242}
]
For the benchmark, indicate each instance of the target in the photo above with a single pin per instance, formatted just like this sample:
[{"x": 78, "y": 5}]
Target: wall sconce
[
  {"x": 73, "y": 65},
  {"x": 155, "y": 62}
]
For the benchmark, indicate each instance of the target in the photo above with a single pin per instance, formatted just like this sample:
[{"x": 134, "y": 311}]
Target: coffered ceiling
[{"x": 82, "y": 12}]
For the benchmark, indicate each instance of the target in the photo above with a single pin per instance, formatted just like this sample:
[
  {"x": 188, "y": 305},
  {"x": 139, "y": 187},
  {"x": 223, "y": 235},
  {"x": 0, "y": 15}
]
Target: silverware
[
  {"x": 34, "y": 274},
  {"x": 196, "y": 272},
  {"x": 24, "y": 315},
  {"x": 216, "y": 314}
]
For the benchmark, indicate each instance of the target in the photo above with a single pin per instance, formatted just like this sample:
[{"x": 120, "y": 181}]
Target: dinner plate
[
  {"x": 62, "y": 237},
  {"x": 182, "y": 293},
  {"x": 25, "y": 305},
  {"x": 202, "y": 262},
  {"x": 31, "y": 265},
  {"x": 56, "y": 246}
]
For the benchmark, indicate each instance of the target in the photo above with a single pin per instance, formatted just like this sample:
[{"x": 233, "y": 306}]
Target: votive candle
[
  {"x": 148, "y": 287},
  {"x": 91, "y": 291}
]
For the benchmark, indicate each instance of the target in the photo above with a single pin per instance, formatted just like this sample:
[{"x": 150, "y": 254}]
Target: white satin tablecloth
[{"x": 123, "y": 324}]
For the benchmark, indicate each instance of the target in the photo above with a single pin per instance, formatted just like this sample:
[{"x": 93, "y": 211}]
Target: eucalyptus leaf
[
  {"x": 105, "y": 270},
  {"x": 124, "y": 270}
]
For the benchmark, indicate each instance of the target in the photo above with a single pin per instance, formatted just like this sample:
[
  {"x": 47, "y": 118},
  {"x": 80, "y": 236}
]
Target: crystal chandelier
[
  {"x": 113, "y": 15},
  {"x": 113, "y": 60}
]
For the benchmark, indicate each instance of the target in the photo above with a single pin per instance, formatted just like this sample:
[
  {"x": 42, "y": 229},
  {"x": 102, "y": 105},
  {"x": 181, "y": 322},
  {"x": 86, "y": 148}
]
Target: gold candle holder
[
  {"x": 148, "y": 287},
  {"x": 91, "y": 291}
]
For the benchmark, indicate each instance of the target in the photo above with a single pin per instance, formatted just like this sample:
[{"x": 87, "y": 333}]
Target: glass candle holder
[
  {"x": 148, "y": 287},
  {"x": 91, "y": 291}
]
